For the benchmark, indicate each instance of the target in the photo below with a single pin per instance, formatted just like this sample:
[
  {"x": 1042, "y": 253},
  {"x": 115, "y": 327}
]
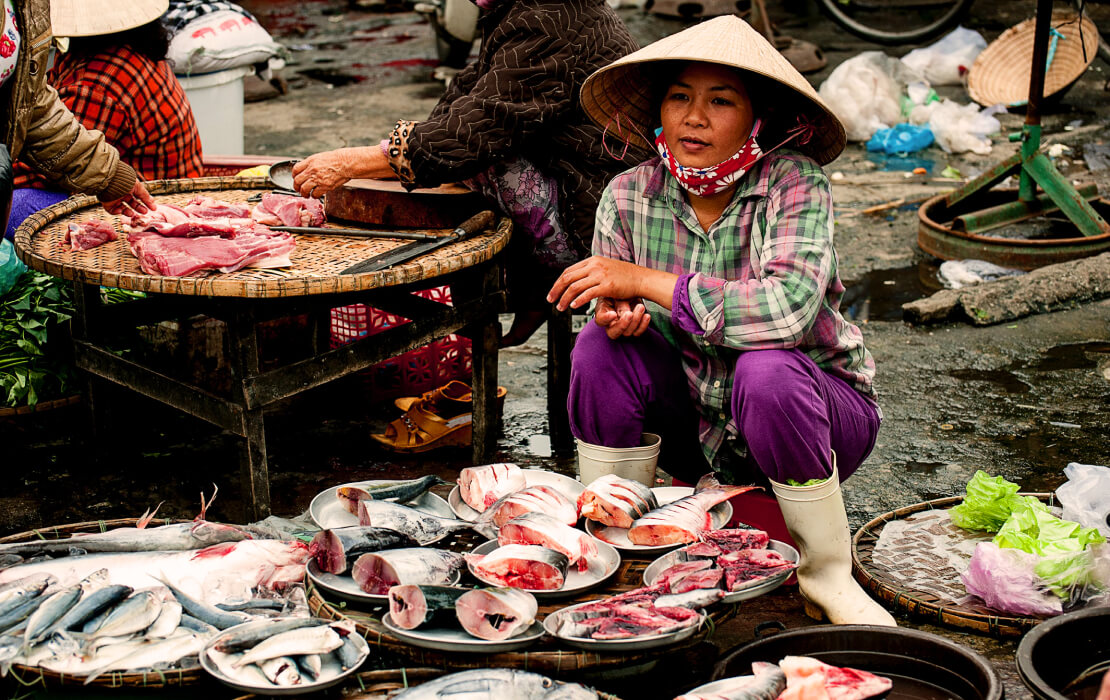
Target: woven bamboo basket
[
  {"x": 40, "y": 407},
  {"x": 1001, "y": 72},
  {"x": 33, "y": 677},
  {"x": 386, "y": 683},
  {"x": 317, "y": 259},
  {"x": 547, "y": 656},
  {"x": 922, "y": 604}
]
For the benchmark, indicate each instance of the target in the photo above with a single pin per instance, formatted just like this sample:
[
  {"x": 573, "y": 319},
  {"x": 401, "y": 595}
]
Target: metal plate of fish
[
  {"x": 569, "y": 487},
  {"x": 752, "y": 589},
  {"x": 249, "y": 679},
  {"x": 618, "y": 536},
  {"x": 600, "y": 570},
  {"x": 345, "y": 588},
  {"x": 457, "y": 639},
  {"x": 327, "y": 511},
  {"x": 619, "y": 646}
]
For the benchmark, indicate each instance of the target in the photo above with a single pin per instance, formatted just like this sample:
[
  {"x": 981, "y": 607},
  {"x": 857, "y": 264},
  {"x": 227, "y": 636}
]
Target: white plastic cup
[{"x": 636, "y": 463}]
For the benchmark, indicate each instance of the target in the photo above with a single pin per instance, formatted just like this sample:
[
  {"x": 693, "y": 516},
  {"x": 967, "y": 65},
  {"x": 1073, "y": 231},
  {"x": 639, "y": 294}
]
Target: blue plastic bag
[
  {"x": 11, "y": 267},
  {"x": 902, "y": 138}
]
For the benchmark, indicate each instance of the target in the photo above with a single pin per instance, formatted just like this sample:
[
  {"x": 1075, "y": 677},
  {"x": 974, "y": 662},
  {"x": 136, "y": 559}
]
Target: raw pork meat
[
  {"x": 89, "y": 234},
  {"x": 163, "y": 255},
  {"x": 287, "y": 210}
]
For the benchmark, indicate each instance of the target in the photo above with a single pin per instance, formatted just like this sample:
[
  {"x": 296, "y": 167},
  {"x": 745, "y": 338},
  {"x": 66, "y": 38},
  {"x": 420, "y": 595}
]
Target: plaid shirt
[
  {"x": 137, "y": 104},
  {"x": 763, "y": 276}
]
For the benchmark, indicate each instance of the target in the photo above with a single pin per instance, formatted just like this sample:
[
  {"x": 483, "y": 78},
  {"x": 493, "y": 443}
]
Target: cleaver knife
[{"x": 475, "y": 224}]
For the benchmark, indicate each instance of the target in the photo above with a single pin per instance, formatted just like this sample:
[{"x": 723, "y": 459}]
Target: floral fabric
[
  {"x": 705, "y": 182},
  {"x": 9, "y": 43}
]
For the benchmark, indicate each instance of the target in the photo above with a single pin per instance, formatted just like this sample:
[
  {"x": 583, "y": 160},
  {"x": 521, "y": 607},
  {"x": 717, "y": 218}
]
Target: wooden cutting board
[{"x": 387, "y": 204}]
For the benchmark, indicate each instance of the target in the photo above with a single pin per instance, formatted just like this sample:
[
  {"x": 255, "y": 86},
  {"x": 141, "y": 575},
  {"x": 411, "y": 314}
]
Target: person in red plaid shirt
[{"x": 119, "y": 84}]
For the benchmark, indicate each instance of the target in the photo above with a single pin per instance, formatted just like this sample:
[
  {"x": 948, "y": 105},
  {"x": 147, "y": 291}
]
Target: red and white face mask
[{"x": 710, "y": 180}]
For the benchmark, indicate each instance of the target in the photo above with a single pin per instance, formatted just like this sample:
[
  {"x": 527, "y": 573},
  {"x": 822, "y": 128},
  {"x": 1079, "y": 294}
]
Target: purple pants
[{"x": 790, "y": 413}]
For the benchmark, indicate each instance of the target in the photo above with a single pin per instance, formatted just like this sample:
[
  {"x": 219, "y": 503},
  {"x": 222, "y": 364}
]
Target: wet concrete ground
[{"x": 1020, "y": 399}]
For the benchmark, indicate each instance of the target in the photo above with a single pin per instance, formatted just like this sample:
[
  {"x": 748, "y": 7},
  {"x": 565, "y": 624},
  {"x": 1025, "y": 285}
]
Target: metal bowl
[{"x": 920, "y": 664}]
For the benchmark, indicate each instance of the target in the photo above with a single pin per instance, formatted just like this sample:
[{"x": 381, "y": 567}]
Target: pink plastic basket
[{"x": 414, "y": 372}]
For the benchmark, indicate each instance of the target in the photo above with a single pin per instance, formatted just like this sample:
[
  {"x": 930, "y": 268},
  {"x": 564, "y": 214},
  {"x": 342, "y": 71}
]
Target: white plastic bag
[
  {"x": 1086, "y": 496},
  {"x": 946, "y": 61},
  {"x": 218, "y": 41},
  {"x": 959, "y": 128},
  {"x": 865, "y": 93}
]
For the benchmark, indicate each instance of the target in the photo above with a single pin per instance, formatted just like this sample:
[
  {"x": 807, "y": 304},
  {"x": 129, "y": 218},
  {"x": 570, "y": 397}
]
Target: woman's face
[{"x": 706, "y": 115}]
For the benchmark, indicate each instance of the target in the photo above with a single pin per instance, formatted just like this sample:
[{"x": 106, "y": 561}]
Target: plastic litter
[
  {"x": 1086, "y": 495},
  {"x": 865, "y": 93},
  {"x": 900, "y": 139},
  {"x": 1005, "y": 581},
  {"x": 954, "y": 274},
  {"x": 11, "y": 267},
  {"x": 959, "y": 128},
  {"x": 946, "y": 61}
]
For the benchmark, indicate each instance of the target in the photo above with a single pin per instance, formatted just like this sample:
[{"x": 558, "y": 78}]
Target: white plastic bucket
[
  {"x": 636, "y": 463},
  {"x": 217, "y": 102}
]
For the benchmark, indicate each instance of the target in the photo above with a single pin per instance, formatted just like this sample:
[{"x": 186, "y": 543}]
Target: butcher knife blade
[{"x": 475, "y": 224}]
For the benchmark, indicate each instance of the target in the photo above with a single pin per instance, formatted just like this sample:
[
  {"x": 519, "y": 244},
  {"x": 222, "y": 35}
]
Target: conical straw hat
[
  {"x": 92, "y": 17},
  {"x": 622, "y": 92},
  {"x": 1001, "y": 72}
]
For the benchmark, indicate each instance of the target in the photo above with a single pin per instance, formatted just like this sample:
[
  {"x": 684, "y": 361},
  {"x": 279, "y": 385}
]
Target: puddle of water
[
  {"x": 1074, "y": 356},
  {"x": 1008, "y": 381},
  {"x": 925, "y": 468},
  {"x": 332, "y": 76},
  {"x": 879, "y": 295}
]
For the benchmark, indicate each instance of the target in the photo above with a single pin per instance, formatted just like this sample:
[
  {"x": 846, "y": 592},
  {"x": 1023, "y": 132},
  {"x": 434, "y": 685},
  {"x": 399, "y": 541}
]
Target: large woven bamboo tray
[
  {"x": 386, "y": 683},
  {"x": 884, "y": 579},
  {"x": 547, "y": 656},
  {"x": 37, "y": 677},
  {"x": 317, "y": 260}
]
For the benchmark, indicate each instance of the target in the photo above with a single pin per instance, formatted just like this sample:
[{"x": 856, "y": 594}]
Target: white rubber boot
[{"x": 817, "y": 520}]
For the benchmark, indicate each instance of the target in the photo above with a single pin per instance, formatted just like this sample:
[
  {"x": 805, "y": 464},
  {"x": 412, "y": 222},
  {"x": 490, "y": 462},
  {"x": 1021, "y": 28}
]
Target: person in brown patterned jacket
[
  {"x": 38, "y": 129},
  {"x": 510, "y": 126}
]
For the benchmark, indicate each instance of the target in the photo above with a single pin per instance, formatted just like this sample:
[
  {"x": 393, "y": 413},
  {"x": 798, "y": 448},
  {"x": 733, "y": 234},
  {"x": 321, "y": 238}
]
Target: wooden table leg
[
  {"x": 87, "y": 306},
  {"x": 560, "y": 339},
  {"x": 255, "y": 477}
]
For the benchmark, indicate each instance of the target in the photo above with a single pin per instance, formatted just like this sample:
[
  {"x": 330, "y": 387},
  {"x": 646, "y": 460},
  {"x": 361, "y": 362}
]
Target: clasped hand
[{"x": 614, "y": 283}]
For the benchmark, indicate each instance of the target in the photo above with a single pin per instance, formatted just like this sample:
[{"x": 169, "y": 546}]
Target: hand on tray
[{"x": 138, "y": 201}]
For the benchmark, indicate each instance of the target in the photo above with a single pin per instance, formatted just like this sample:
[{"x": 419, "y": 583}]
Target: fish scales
[{"x": 481, "y": 487}]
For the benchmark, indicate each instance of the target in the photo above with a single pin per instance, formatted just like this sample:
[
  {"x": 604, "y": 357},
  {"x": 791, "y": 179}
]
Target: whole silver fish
[
  {"x": 154, "y": 653},
  {"x": 767, "y": 683},
  {"x": 281, "y": 671},
  {"x": 52, "y": 609},
  {"x": 165, "y": 538},
  {"x": 132, "y": 615},
  {"x": 425, "y": 528},
  {"x": 210, "y": 614},
  {"x": 497, "y": 684},
  {"x": 309, "y": 640},
  {"x": 400, "y": 491},
  {"x": 247, "y": 638}
]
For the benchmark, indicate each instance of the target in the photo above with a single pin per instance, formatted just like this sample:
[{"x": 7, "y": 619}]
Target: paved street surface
[{"x": 1020, "y": 399}]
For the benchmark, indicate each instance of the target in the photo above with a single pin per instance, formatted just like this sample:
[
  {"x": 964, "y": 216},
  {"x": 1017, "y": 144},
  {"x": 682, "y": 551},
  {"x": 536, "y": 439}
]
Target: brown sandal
[
  {"x": 453, "y": 397},
  {"x": 420, "y": 430}
]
